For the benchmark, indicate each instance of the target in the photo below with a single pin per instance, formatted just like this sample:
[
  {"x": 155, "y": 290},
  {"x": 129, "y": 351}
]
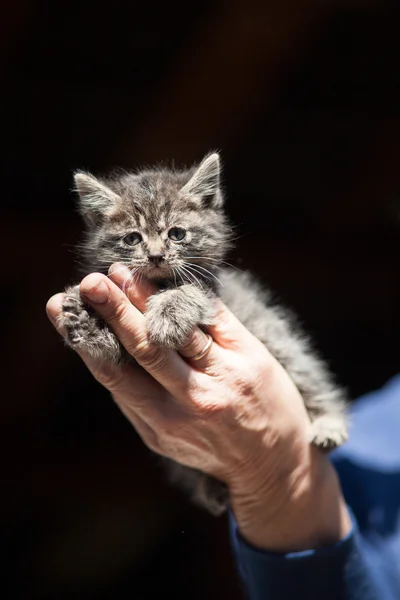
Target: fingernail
[
  {"x": 95, "y": 290},
  {"x": 121, "y": 275},
  {"x": 118, "y": 268}
]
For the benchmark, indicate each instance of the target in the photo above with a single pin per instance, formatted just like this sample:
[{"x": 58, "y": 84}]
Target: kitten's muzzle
[{"x": 156, "y": 259}]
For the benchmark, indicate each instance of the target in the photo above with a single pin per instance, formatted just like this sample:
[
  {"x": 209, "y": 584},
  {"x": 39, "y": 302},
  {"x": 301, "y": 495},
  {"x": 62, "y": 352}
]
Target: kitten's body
[{"x": 138, "y": 220}]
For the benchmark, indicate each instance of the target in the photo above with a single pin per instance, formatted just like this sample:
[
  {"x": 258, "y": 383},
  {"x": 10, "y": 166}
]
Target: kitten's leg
[
  {"x": 86, "y": 331},
  {"x": 211, "y": 494},
  {"x": 172, "y": 314},
  {"x": 206, "y": 491},
  {"x": 329, "y": 431}
]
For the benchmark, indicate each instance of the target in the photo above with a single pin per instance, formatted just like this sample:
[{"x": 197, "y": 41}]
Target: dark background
[{"x": 302, "y": 99}]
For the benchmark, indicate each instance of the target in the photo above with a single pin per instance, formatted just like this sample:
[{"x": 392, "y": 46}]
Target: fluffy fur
[{"x": 169, "y": 226}]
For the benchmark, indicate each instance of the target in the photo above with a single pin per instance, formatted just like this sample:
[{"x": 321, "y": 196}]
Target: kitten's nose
[{"x": 157, "y": 259}]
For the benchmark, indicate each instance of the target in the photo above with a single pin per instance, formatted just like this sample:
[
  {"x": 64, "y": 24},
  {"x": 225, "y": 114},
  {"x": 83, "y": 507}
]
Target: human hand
[{"x": 234, "y": 414}]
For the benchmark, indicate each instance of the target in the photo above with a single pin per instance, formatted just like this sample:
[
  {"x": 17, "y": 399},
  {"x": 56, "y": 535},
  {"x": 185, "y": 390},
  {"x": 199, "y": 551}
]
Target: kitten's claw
[
  {"x": 74, "y": 319},
  {"x": 86, "y": 331}
]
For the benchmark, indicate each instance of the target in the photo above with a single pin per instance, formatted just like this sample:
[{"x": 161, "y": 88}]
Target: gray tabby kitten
[{"x": 169, "y": 226}]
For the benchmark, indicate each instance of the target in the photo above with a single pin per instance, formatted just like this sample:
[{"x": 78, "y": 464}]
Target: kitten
[{"x": 169, "y": 226}]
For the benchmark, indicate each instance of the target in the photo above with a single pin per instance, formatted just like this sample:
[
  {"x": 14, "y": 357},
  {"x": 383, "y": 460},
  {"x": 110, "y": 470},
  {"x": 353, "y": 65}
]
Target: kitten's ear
[
  {"x": 96, "y": 199},
  {"x": 204, "y": 184}
]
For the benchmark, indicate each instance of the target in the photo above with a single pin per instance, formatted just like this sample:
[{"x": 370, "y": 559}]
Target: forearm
[{"x": 305, "y": 507}]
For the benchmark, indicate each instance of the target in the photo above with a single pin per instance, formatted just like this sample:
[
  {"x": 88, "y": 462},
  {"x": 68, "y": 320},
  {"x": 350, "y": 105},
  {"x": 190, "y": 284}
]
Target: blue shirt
[{"x": 366, "y": 564}]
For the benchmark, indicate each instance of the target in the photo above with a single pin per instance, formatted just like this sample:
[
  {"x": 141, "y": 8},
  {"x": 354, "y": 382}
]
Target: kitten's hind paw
[{"x": 329, "y": 431}]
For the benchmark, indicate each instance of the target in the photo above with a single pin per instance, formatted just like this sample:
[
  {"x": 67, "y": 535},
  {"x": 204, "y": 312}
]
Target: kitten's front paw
[
  {"x": 172, "y": 314},
  {"x": 74, "y": 318},
  {"x": 86, "y": 331},
  {"x": 165, "y": 329}
]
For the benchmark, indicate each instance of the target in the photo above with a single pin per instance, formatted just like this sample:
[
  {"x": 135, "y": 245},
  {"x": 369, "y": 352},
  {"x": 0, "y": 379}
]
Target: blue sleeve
[
  {"x": 366, "y": 564},
  {"x": 339, "y": 572}
]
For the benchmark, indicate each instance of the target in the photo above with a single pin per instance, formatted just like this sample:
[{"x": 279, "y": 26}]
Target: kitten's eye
[
  {"x": 132, "y": 239},
  {"x": 176, "y": 234}
]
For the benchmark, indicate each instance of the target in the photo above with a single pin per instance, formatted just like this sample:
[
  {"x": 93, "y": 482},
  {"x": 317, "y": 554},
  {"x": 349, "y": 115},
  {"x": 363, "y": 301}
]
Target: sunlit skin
[{"x": 234, "y": 414}]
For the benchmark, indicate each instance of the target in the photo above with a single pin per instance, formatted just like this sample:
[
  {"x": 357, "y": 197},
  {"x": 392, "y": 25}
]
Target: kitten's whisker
[
  {"x": 193, "y": 275},
  {"x": 238, "y": 237},
  {"x": 125, "y": 283},
  {"x": 224, "y": 262},
  {"x": 137, "y": 275},
  {"x": 186, "y": 274},
  {"x": 213, "y": 257},
  {"x": 129, "y": 279},
  {"x": 181, "y": 274},
  {"x": 197, "y": 267},
  {"x": 230, "y": 265},
  {"x": 218, "y": 260},
  {"x": 141, "y": 277},
  {"x": 194, "y": 270},
  {"x": 188, "y": 277}
]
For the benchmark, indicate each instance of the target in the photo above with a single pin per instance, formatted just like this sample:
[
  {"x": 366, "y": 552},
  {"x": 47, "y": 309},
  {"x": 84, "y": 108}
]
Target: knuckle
[
  {"x": 206, "y": 406},
  {"x": 150, "y": 356},
  {"x": 151, "y": 439},
  {"x": 118, "y": 312},
  {"x": 211, "y": 411},
  {"x": 140, "y": 346},
  {"x": 199, "y": 394},
  {"x": 193, "y": 344}
]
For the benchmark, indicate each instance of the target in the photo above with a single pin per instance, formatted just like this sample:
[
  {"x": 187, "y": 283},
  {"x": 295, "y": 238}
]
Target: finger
[
  {"x": 135, "y": 389},
  {"x": 137, "y": 292},
  {"x": 227, "y": 331},
  {"x": 129, "y": 326},
  {"x": 200, "y": 351},
  {"x": 53, "y": 310}
]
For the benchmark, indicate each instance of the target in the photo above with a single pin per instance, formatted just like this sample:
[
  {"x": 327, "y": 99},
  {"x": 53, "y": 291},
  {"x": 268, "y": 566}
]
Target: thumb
[{"x": 227, "y": 330}]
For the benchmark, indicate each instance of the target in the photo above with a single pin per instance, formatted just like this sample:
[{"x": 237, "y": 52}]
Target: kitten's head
[{"x": 161, "y": 223}]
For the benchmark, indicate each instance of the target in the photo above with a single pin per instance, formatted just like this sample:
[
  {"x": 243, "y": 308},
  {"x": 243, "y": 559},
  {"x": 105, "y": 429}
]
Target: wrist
[{"x": 291, "y": 512}]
